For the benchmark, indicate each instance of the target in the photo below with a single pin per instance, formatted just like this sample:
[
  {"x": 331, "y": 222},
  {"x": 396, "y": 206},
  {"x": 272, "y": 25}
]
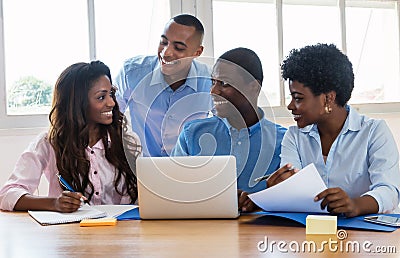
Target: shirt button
[
  {"x": 239, "y": 143},
  {"x": 95, "y": 172},
  {"x": 97, "y": 193},
  {"x": 92, "y": 152}
]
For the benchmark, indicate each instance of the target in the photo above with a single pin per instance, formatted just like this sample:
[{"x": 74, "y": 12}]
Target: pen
[
  {"x": 65, "y": 184},
  {"x": 258, "y": 179},
  {"x": 69, "y": 188}
]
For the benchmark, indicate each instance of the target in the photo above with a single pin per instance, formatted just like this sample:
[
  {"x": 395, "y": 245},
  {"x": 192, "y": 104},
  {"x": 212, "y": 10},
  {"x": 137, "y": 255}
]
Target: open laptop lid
[{"x": 187, "y": 187}]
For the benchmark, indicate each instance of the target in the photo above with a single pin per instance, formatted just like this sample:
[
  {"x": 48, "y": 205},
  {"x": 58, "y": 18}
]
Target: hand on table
[{"x": 244, "y": 202}]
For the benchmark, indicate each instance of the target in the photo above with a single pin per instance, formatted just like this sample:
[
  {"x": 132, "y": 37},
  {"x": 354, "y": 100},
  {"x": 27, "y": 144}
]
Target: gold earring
[{"x": 328, "y": 109}]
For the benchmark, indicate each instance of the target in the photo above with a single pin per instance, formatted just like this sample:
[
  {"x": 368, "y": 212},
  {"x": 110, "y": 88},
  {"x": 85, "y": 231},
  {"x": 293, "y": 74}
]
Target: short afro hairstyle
[
  {"x": 246, "y": 59},
  {"x": 322, "y": 68}
]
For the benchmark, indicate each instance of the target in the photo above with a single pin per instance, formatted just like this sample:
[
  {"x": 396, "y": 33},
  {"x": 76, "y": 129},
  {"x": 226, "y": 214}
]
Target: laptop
[{"x": 189, "y": 187}]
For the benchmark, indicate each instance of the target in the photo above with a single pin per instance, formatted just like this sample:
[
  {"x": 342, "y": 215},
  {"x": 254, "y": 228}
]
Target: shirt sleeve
[
  {"x": 289, "y": 149},
  {"x": 384, "y": 168},
  {"x": 181, "y": 147},
  {"x": 27, "y": 173}
]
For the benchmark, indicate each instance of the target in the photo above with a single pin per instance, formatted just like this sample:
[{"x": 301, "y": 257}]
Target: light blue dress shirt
[
  {"x": 363, "y": 159},
  {"x": 256, "y": 148},
  {"x": 156, "y": 111}
]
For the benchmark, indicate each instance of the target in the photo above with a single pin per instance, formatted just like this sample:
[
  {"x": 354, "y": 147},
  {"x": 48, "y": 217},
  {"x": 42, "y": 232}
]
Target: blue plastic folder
[
  {"x": 342, "y": 221},
  {"x": 300, "y": 217},
  {"x": 130, "y": 215}
]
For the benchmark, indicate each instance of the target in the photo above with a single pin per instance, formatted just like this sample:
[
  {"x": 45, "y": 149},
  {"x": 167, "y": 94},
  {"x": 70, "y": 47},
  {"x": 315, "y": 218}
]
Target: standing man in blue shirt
[
  {"x": 165, "y": 91},
  {"x": 240, "y": 127}
]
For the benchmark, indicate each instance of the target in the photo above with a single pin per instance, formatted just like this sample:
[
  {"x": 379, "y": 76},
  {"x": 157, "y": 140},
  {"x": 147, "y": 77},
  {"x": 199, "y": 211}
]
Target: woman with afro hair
[{"x": 356, "y": 156}]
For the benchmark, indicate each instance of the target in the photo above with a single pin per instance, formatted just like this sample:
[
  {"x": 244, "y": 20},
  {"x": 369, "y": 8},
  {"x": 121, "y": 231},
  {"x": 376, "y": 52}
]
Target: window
[
  {"x": 250, "y": 25},
  {"x": 126, "y": 28},
  {"x": 307, "y": 25},
  {"x": 366, "y": 30},
  {"x": 38, "y": 39},
  {"x": 42, "y": 37},
  {"x": 373, "y": 49},
  {"x": 38, "y": 45}
]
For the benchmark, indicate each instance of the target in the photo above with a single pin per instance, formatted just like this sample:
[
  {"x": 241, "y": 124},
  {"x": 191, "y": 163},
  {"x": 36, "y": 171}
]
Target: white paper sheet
[{"x": 295, "y": 194}]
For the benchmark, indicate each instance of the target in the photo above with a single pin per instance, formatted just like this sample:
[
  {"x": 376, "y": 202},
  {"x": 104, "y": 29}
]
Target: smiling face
[
  {"x": 101, "y": 103},
  {"x": 306, "y": 108},
  {"x": 179, "y": 44},
  {"x": 230, "y": 92}
]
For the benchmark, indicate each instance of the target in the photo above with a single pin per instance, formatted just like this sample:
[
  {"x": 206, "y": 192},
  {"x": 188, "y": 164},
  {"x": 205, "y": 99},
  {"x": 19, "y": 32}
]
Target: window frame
[
  {"x": 33, "y": 122},
  {"x": 203, "y": 10},
  {"x": 281, "y": 111},
  {"x": 23, "y": 123}
]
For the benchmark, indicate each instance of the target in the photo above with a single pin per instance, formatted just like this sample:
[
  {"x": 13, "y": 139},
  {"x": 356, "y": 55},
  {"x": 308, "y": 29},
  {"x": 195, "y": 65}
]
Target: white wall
[{"x": 13, "y": 142}]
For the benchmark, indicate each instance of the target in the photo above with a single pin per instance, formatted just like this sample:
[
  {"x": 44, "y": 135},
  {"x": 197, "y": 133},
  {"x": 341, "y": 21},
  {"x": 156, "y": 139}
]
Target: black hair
[
  {"x": 69, "y": 132},
  {"x": 247, "y": 59},
  {"x": 189, "y": 20},
  {"x": 322, "y": 68}
]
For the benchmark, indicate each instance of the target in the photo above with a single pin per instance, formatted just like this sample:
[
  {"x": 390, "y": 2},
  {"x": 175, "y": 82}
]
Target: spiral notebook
[{"x": 52, "y": 217}]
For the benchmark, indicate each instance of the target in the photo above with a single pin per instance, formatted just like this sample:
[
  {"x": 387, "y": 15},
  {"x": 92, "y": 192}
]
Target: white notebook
[{"x": 52, "y": 217}]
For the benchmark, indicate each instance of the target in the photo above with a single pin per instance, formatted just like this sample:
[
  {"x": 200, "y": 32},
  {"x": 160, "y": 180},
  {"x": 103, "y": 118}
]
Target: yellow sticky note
[
  {"x": 98, "y": 222},
  {"x": 321, "y": 224}
]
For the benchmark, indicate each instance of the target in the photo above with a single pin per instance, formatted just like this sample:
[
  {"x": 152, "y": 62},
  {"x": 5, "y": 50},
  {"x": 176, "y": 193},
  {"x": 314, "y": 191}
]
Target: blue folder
[
  {"x": 342, "y": 221},
  {"x": 130, "y": 215}
]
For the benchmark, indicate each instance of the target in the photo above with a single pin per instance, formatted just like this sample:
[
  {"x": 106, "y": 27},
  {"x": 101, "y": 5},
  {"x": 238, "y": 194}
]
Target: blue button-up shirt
[
  {"x": 156, "y": 111},
  {"x": 256, "y": 148},
  {"x": 363, "y": 159}
]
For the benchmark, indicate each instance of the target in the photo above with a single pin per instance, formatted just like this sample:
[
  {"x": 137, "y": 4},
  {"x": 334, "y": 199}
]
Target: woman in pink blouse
[{"x": 87, "y": 145}]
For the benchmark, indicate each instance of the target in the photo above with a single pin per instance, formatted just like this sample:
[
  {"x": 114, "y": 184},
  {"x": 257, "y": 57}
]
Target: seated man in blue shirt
[
  {"x": 168, "y": 89},
  {"x": 240, "y": 128}
]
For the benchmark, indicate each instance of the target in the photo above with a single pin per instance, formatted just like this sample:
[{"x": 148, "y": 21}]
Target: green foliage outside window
[{"x": 30, "y": 92}]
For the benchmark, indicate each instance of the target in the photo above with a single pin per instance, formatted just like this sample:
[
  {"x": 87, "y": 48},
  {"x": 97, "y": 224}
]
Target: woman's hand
[
  {"x": 69, "y": 201},
  {"x": 281, "y": 174},
  {"x": 337, "y": 201}
]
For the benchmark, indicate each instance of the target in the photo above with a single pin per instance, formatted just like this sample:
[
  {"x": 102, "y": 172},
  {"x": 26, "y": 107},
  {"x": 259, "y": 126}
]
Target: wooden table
[{"x": 21, "y": 236}]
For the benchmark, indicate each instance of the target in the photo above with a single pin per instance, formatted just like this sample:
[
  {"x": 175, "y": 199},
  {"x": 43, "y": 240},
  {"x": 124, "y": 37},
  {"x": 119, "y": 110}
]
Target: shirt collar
[
  {"x": 353, "y": 120},
  {"x": 352, "y": 123},
  {"x": 250, "y": 129},
  {"x": 157, "y": 77},
  {"x": 99, "y": 144}
]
